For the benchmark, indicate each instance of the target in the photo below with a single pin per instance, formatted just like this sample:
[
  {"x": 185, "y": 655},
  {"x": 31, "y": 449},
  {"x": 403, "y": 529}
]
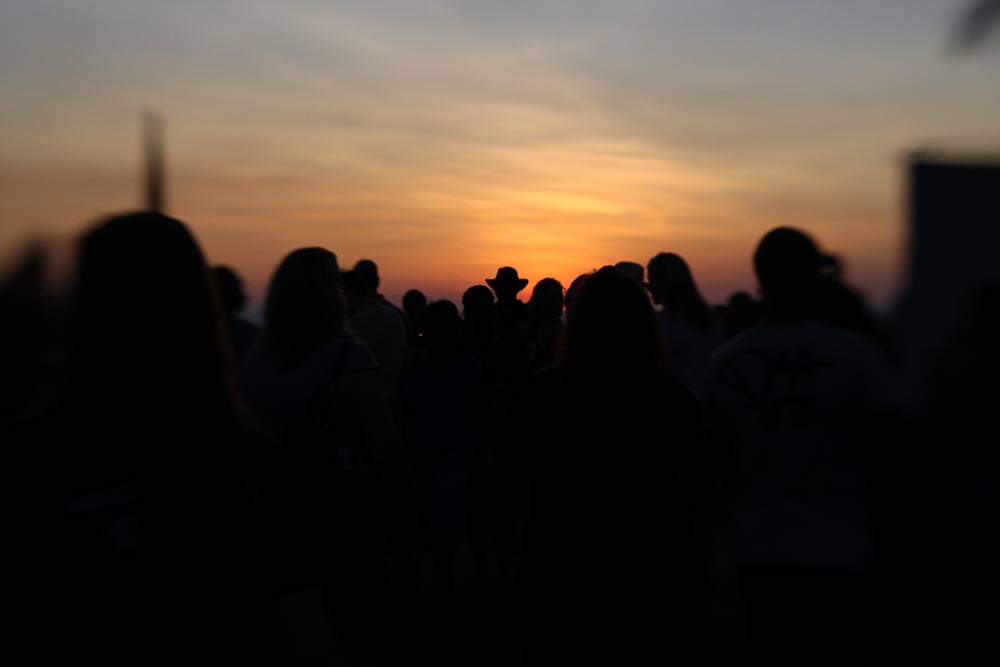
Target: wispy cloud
[{"x": 445, "y": 137}]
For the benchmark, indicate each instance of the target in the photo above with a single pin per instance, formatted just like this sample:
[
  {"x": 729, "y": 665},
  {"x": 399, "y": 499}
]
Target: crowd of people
[{"x": 615, "y": 470}]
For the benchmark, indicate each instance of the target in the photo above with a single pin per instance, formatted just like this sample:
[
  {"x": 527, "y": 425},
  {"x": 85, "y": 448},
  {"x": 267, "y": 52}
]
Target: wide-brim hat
[{"x": 507, "y": 277}]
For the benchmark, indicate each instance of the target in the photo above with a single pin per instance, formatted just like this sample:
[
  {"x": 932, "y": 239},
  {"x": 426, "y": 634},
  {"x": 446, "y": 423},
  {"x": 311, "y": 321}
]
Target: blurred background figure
[
  {"x": 739, "y": 313},
  {"x": 135, "y": 532},
  {"x": 242, "y": 332},
  {"x": 801, "y": 416}
]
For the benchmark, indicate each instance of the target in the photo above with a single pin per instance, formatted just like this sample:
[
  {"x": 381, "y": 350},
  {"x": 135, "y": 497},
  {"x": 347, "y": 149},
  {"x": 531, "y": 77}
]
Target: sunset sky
[{"x": 445, "y": 138}]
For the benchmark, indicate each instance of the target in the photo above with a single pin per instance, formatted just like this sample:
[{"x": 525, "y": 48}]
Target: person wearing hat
[{"x": 511, "y": 311}]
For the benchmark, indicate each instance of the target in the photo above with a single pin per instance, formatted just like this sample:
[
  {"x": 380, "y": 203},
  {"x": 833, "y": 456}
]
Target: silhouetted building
[{"x": 954, "y": 245}]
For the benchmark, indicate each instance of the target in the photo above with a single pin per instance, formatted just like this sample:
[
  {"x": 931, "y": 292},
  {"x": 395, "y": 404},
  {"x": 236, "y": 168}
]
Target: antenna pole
[{"x": 153, "y": 132}]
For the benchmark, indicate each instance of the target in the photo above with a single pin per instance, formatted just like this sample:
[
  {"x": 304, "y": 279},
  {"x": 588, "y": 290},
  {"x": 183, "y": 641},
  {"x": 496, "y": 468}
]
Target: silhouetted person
[
  {"x": 444, "y": 413},
  {"x": 511, "y": 311},
  {"x": 541, "y": 331},
  {"x": 797, "y": 412},
  {"x": 379, "y": 326},
  {"x": 607, "y": 432},
  {"x": 309, "y": 372},
  {"x": 503, "y": 354},
  {"x": 136, "y": 516},
  {"x": 507, "y": 367},
  {"x": 633, "y": 270},
  {"x": 740, "y": 313},
  {"x": 241, "y": 332},
  {"x": 368, "y": 271},
  {"x": 843, "y": 306},
  {"x": 414, "y": 302},
  {"x": 574, "y": 289},
  {"x": 689, "y": 325}
]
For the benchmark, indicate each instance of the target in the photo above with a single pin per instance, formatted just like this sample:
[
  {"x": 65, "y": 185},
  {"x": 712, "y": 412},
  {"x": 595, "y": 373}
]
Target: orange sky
[{"x": 445, "y": 139}]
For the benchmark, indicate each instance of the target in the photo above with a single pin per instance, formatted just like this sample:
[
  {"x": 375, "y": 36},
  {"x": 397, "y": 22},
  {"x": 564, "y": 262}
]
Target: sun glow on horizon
[{"x": 447, "y": 141}]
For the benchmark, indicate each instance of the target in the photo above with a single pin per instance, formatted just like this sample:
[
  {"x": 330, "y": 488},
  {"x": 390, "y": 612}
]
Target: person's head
[
  {"x": 230, "y": 289},
  {"x": 611, "y": 326},
  {"x": 740, "y": 312},
  {"x": 574, "y": 289},
  {"x": 355, "y": 288},
  {"x": 506, "y": 284},
  {"x": 304, "y": 306},
  {"x": 787, "y": 263},
  {"x": 547, "y": 298},
  {"x": 414, "y": 301},
  {"x": 632, "y": 270},
  {"x": 149, "y": 323},
  {"x": 672, "y": 285},
  {"x": 367, "y": 270},
  {"x": 478, "y": 300},
  {"x": 441, "y": 325},
  {"x": 479, "y": 311}
]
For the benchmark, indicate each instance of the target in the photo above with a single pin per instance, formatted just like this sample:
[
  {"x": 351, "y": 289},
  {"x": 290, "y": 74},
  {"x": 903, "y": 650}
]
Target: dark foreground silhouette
[{"x": 619, "y": 472}]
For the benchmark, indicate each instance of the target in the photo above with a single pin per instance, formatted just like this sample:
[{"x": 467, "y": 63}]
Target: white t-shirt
[
  {"x": 791, "y": 408},
  {"x": 689, "y": 350}
]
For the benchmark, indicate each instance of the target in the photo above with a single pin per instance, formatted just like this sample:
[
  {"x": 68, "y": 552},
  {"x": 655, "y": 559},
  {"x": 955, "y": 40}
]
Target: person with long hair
[
  {"x": 135, "y": 488},
  {"x": 317, "y": 393},
  {"x": 541, "y": 331},
  {"x": 689, "y": 325},
  {"x": 609, "y": 539}
]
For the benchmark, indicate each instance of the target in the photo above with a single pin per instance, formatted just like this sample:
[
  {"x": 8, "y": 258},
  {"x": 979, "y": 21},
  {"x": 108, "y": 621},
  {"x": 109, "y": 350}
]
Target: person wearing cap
[
  {"x": 796, "y": 411},
  {"x": 511, "y": 311}
]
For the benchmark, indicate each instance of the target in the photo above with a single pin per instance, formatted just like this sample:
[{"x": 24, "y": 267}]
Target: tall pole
[{"x": 153, "y": 132}]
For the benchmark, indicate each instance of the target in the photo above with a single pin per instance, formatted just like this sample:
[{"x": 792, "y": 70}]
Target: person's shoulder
[
  {"x": 383, "y": 314},
  {"x": 358, "y": 356},
  {"x": 752, "y": 338},
  {"x": 347, "y": 353},
  {"x": 398, "y": 310},
  {"x": 843, "y": 345},
  {"x": 822, "y": 339}
]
